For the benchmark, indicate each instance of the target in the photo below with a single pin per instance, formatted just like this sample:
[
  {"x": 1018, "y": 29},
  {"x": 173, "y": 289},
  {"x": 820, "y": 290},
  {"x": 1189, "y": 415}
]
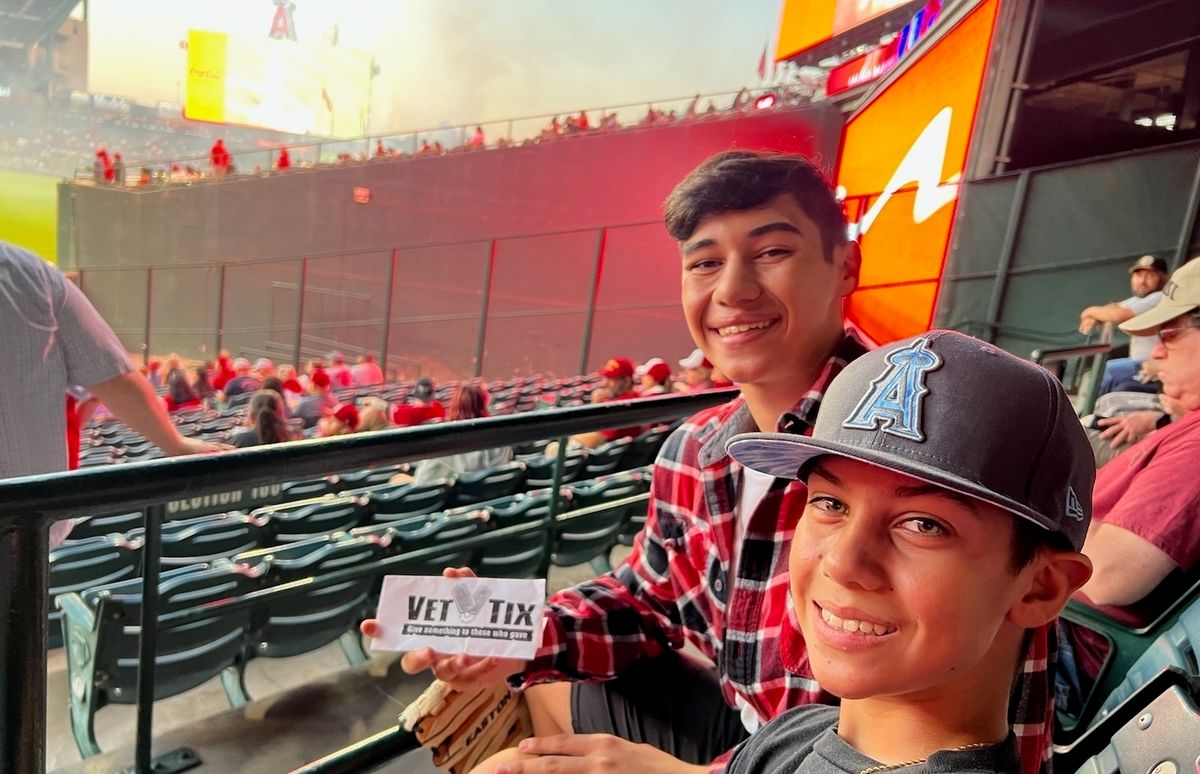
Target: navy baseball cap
[{"x": 955, "y": 412}]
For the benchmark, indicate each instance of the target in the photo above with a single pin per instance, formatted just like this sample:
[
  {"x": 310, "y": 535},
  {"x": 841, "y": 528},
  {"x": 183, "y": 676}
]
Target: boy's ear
[
  {"x": 1053, "y": 577},
  {"x": 851, "y": 259}
]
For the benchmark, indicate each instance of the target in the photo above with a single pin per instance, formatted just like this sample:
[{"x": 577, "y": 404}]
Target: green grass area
[{"x": 29, "y": 212}]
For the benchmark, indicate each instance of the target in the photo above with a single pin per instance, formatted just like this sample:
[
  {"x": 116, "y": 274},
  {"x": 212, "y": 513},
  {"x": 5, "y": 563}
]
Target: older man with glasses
[{"x": 1146, "y": 522}]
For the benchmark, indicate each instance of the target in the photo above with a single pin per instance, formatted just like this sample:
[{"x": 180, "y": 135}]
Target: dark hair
[
  {"x": 1028, "y": 538},
  {"x": 745, "y": 180},
  {"x": 266, "y": 414},
  {"x": 274, "y": 384},
  {"x": 178, "y": 389},
  {"x": 470, "y": 401},
  {"x": 202, "y": 385}
]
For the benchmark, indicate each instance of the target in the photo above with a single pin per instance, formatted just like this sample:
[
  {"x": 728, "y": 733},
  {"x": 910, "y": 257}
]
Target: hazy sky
[{"x": 460, "y": 61}]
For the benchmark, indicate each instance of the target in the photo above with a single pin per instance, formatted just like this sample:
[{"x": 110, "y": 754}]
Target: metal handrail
[{"x": 28, "y": 506}]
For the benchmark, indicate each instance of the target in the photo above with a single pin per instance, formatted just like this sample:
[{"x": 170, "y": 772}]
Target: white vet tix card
[{"x": 476, "y": 616}]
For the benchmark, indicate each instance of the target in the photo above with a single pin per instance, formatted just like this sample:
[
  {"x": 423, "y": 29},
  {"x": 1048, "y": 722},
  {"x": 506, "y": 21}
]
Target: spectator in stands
[
  {"x": 285, "y": 160},
  {"x": 374, "y": 414},
  {"x": 380, "y": 151},
  {"x": 1146, "y": 278},
  {"x": 180, "y": 394},
  {"x": 292, "y": 389},
  {"x": 154, "y": 372},
  {"x": 366, "y": 372},
  {"x": 243, "y": 381},
  {"x": 422, "y": 406},
  {"x": 477, "y": 141},
  {"x": 118, "y": 165},
  {"x": 339, "y": 372},
  {"x": 470, "y": 401},
  {"x": 266, "y": 422},
  {"x": 200, "y": 382},
  {"x": 697, "y": 373},
  {"x": 54, "y": 340},
  {"x": 654, "y": 377},
  {"x": 311, "y": 368},
  {"x": 219, "y": 158},
  {"x": 264, "y": 368},
  {"x": 318, "y": 402},
  {"x": 1146, "y": 499},
  {"x": 342, "y": 419},
  {"x": 618, "y": 375},
  {"x": 99, "y": 165},
  {"x": 225, "y": 371},
  {"x": 923, "y": 560}
]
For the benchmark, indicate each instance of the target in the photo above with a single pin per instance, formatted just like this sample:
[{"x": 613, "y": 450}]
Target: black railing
[{"x": 29, "y": 505}]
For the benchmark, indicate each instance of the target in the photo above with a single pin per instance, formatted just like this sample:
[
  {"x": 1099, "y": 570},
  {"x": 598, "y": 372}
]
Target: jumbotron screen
[
  {"x": 278, "y": 84},
  {"x": 805, "y": 23}
]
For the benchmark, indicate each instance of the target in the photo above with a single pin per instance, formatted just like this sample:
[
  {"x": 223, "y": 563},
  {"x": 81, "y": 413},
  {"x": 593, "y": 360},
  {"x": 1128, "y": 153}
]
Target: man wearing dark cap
[
  {"x": 421, "y": 408},
  {"x": 1147, "y": 276}
]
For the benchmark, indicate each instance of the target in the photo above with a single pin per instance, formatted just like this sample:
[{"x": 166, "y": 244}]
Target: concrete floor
[{"x": 307, "y": 706}]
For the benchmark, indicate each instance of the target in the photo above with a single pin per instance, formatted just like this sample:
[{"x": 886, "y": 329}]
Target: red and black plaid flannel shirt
[{"x": 676, "y": 583}]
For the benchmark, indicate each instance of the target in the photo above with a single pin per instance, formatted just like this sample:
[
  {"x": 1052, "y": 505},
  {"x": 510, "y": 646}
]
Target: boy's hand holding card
[{"x": 475, "y": 616}]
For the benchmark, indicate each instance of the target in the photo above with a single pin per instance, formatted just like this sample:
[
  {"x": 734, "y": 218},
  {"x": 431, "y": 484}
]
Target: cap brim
[
  {"x": 1149, "y": 320},
  {"x": 783, "y": 455}
]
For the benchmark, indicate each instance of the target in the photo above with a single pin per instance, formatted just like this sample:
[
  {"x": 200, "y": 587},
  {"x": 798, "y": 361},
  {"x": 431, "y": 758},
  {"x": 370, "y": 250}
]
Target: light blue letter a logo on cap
[{"x": 893, "y": 404}]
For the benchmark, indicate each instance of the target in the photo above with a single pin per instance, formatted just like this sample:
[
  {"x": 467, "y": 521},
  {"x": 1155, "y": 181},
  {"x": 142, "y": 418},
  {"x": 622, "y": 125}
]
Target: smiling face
[
  {"x": 761, "y": 298},
  {"x": 901, "y": 587}
]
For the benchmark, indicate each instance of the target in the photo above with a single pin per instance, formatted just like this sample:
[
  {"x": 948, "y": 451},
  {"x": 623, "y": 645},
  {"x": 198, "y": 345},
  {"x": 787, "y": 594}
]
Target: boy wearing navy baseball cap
[{"x": 941, "y": 532}]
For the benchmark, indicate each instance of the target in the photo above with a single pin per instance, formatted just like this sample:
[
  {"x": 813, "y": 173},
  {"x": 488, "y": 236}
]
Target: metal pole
[
  {"x": 387, "y": 311},
  {"x": 149, "y": 306},
  {"x": 585, "y": 348},
  {"x": 1188, "y": 228},
  {"x": 1000, "y": 286},
  {"x": 552, "y": 516},
  {"x": 1018, "y": 88},
  {"x": 481, "y": 337},
  {"x": 148, "y": 639},
  {"x": 220, "y": 310},
  {"x": 24, "y": 569},
  {"x": 300, "y": 283}
]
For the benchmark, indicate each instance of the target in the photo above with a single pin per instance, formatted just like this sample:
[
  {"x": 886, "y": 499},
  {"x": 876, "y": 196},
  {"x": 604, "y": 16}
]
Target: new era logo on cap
[
  {"x": 893, "y": 404},
  {"x": 1074, "y": 507}
]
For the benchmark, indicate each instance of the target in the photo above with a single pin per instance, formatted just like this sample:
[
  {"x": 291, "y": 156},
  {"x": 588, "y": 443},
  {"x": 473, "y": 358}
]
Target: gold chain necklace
[{"x": 906, "y": 764}]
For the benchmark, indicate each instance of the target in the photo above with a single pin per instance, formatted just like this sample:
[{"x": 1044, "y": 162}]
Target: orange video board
[
  {"x": 901, "y": 164},
  {"x": 805, "y": 23}
]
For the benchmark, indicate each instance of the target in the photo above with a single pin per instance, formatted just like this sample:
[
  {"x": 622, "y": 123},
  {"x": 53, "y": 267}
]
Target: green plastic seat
[
  {"x": 78, "y": 565},
  {"x": 591, "y": 538},
  {"x": 398, "y": 500},
  {"x": 296, "y": 522},
  {"x": 489, "y": 484},
  {"x": 522, "y": 556},
  {"x": 607, "y": 458},
  {"x": 208, "y": 538},
  {"x": 101, "y": 629}
]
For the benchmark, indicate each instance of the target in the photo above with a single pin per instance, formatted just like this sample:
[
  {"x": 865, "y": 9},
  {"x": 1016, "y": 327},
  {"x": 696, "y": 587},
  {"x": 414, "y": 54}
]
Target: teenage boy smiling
[{"x": 935, "y": 538}]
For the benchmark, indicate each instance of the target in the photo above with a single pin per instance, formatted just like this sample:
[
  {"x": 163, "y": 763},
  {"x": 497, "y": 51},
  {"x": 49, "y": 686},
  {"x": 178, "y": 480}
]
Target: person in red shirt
[
  {"x": 697, "y": 373},
  {"x": 618, "y": 385},
  {"x": 285, "y": 160},
  {"x": 421, "y": 408},
  {"x": 655, "y": 377}
]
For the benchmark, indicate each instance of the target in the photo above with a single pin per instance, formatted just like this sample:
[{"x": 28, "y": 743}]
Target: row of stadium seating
[{"x": 100, "y": 623}]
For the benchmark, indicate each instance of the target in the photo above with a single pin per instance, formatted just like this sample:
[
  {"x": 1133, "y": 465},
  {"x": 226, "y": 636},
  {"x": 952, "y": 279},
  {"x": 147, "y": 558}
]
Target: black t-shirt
[
  {"x": 240, "y": 384},
  {"x": 804, "y": 740}
]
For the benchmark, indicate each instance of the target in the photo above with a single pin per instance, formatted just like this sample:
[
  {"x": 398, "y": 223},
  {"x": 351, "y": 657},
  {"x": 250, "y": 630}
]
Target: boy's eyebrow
[
  {"x": 820, "y": 470},
  {"x": 754, "y": 233},
  {"x": 920, "y": 490}
]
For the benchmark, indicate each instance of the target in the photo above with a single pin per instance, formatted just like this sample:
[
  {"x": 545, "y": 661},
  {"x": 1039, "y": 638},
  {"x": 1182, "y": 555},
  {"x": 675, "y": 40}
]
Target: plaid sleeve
[
  {"x": 595, "y": 630},
  {"x": 1032, "y": 701}
]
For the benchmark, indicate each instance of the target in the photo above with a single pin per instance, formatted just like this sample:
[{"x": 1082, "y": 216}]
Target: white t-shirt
[
  {"x": 1140, "y": 346},
  {"x": 754, "y": 487}
]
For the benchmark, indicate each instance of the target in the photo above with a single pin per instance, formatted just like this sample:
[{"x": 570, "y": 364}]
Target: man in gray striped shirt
[{"x": 51, "y": 339}]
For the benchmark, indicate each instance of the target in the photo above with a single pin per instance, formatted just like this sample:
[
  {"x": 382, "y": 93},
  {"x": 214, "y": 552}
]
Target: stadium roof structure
[{"x": 25, "y": 23}]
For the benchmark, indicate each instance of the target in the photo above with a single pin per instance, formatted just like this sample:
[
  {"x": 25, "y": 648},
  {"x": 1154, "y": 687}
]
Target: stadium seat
[
  {"x": 390, "y": 503},
  {"x": 302, "y": 490},
  {"x": 369, "y": 477},
  {"x": 498, "y": 481},
  {"x": 637, "y": 516},
  {"x": 1176, "y": 647},
  {"x": 78, "y": 565},
  {"x": 539, "y": 468},
  {"x": 1156, "y": 729},
  {"x": 101, "y": 629},
  {"x": 607, "y": 458},
  {"x": 591, "y": 538},
  {"x": 107, "y": 525},
  {"x": 301, "y": 623},
  {"x": 208, "y": 538},
  {"x": 522, "y": 556},
  {"x": 1162, "y": 642},
  {"x": 644, "y": 448},
  {"x": 295, "y": 522},
  {"x": 413, "y": 533}
]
